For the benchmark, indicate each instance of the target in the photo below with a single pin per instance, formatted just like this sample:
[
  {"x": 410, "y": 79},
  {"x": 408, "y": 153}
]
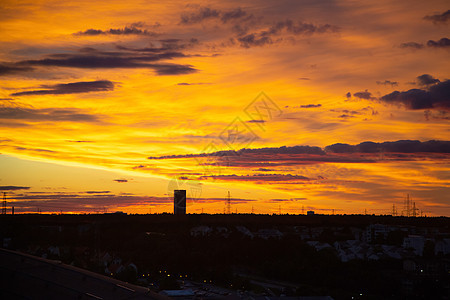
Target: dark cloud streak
[
  {"x": 13, "y": 188},
  {"x": 310, "y": 106},
  {"x": 436, "y": 96},
  {"x": 387, "y": 82},
  {"x": 264, "y": 37},
  {"x": 120, "y": 180},
  {"x": 364, "y": 95},
  {"x": 45, "y": 114},
  {"x": 207, "y": 13},
  {"x": 427, "y": 79},
  {"x": 132, "y": 30},
  {"x": 200, "y": 15},
  {"x": 71, "y": 88},
  {"x": 233, "y": 15},
  {"x": 267, "y": 159},
  {"x": 439, "y": 18},
  {"x": 402, "y": 146},
  {"x": 442, "y": 43},
  {"x": 280, "y": 150},
  {"x": 95, "y": 203},
  {"x": 93, "y": 59},
  {"x": 10, "y": 68},
  {"x": 258, "y": 177},
  {"x": 412, "y": 45}
]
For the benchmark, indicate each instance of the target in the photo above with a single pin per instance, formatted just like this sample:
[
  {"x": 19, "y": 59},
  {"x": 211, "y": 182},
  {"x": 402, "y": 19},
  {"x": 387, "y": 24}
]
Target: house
[
  {"x": 442, "y": 247},
  {"x": 201, "y": 231},
  {"x": 244, "y": 230},
  {"x": 318, "y": 245},
  {"x": 187, "y": 293},
  {"x": 376, "y": 232},
  {"x": 415, "y": 242},
  {"x": 105, "y": 259},
  {"x": 269, "y": 233}
]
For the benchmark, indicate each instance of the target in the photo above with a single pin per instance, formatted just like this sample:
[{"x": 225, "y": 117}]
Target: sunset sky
[{"x": 111, "y": 105}]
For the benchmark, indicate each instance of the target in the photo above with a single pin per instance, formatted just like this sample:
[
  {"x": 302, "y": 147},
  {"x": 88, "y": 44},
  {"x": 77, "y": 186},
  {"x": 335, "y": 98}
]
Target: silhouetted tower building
[{"x": 179, "y": 202}]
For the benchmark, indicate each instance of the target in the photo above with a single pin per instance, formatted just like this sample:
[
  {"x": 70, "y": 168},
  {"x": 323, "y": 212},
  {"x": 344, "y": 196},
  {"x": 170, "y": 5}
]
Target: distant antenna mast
[
  {"x": 229, "y": 203},
  {"x": 4, "y": 204}
]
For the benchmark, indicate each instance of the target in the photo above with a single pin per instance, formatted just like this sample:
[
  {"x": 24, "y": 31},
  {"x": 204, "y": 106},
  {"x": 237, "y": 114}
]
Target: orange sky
[{"x": 105, "y": 105}]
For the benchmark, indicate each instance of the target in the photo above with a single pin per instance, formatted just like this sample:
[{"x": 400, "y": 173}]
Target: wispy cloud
[
  {"x": 388, "y": 82},
  {"x": 206, "y": 13},
  {"x": 131, "y": 30},
  {"x": 257, "y": 177},
  {"x": 270, "y": 35},
  {"x": 46, "y": 114},
  {"x": 121, "y": 180},
  {"x": 310, "y": 106},
  {"x": 413, "y": 45},
  {"x": 13, "y": 188},
  {"x": 442, "y": 43}
]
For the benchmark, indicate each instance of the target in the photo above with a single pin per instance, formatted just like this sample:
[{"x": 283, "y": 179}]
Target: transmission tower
[
  {"x": 394, "y": 210},
  {"x": 414, "y": 210},
  {"x": 410, "y": 207},
  {"x": 229, "y": 203}
]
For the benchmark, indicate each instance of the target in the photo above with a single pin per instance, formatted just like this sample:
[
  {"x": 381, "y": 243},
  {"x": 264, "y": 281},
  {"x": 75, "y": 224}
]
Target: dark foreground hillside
[{"x": 364, "y": 257}]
